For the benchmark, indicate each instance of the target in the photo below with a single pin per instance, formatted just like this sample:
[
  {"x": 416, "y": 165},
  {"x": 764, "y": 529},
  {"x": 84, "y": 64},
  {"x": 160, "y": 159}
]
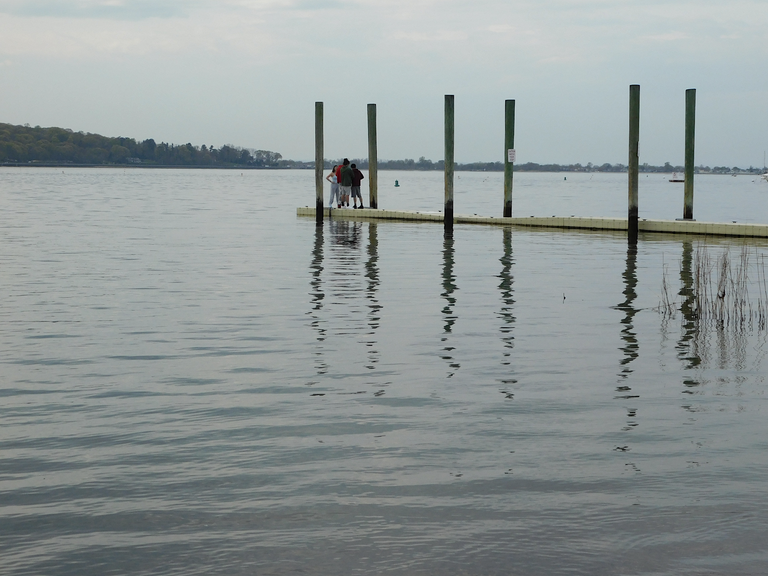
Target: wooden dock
[{"x": 563, "y": 222}]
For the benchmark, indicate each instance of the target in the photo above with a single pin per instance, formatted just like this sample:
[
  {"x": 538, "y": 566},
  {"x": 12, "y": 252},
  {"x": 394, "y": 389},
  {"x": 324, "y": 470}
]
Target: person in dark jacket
[
  {"x": 345, "y": 174},
  {"x": 357, "y": 178}
]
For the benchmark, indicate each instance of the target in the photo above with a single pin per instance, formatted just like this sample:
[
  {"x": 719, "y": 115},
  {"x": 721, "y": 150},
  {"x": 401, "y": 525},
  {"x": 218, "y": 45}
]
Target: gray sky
[{"x": 247, "y": 72}]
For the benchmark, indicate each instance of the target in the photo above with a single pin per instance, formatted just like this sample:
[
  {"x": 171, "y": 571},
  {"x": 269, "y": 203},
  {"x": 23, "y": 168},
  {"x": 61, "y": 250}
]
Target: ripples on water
[{"x": 195, "y": 381}]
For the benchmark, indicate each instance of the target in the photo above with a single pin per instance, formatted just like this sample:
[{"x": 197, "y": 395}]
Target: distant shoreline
[
  {"x": 153, "y": 166},
  {"x": 458, "y": 168}
]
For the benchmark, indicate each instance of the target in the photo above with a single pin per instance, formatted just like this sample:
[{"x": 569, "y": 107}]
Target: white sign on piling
[{"x": 511, "y": 154}]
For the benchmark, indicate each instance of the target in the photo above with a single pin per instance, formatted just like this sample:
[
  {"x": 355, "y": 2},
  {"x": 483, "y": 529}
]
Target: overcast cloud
[{"x": 247, "y": 72}]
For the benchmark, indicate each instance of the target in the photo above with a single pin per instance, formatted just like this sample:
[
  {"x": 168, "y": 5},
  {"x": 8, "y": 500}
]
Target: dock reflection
[{"x": 449, "y": 317}]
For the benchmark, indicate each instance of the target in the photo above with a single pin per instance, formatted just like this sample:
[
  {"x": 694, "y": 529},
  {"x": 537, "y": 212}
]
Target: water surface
[{"x": 196, "y": 381}]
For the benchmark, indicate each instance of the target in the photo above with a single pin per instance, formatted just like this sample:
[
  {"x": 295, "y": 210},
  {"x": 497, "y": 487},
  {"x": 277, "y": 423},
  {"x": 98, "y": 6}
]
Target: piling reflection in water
[
  {"x": 317, "y": 297},
  {"x": 316, "y": 282},
  {"x": 687, "y": 345},
  {"x": 506, "y": 282},
  {"x": 631, "y": 347},
  {"x": 449, "y": 287},
  {"x": 628, "y": 335},
  {"x": 371, "y": 294}
]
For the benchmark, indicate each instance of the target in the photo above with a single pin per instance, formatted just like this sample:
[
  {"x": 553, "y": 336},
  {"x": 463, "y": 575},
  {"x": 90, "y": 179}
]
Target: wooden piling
[
  {"x": 690, "y": 137},
  {"x": 448, "y": 210},
  {"x": 319, "y": 163},
  {"x": 509, "y": 146},
  {"x": 634, "y": 164},
  {"x": 373, "y": 159}
]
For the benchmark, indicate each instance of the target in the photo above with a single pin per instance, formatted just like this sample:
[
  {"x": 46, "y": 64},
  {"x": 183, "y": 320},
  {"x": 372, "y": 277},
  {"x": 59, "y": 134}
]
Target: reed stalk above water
[{"x": 720, "y": 289}]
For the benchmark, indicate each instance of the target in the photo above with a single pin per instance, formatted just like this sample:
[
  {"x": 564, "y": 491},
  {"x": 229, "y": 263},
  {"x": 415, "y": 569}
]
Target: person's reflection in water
[
  {"x": 344, "y": 274},
  {"x": 449, "y": 287},
  {"x": 317, "y": 297},
  {"x": 371, "y": 294},
  {"x": 630, "y": 348},
  {"x": 506, "y": 283},
  {"x": 345, "y": 233}
]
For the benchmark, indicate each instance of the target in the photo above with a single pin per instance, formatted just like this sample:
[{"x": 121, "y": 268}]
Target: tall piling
[
  {"x": 448, "y": 210},
  {"x": 373, "y": 159},
  {"x": 690, "y": 138},
  {"x": 634, "y": 164},
  {"x": 509, "y": 154},
  {"x": 319, "y": 163}
]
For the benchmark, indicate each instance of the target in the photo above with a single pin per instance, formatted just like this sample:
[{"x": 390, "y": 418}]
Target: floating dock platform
[{"x": 573, "y": 222}]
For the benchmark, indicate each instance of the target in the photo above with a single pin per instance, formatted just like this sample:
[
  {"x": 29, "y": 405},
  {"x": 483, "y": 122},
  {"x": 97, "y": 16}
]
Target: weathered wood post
[
  {"x": 633, "y": 166},
  {"x": 509, "y": 154},
  {"x": 448, "y": 211},
  {"x": 373, "y": 159},
  {"x": 319, "y": 163},
  {"x": 690, "y": 137}
]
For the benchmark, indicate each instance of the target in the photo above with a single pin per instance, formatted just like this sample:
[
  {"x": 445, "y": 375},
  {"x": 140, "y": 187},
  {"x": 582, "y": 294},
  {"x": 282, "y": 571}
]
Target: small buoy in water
[
  {"x": 564, "y": 178},
  {"x": 397, "y": 184}
]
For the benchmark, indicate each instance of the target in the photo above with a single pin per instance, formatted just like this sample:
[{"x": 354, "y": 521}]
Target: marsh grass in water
[{"x": 719, "y": 289}]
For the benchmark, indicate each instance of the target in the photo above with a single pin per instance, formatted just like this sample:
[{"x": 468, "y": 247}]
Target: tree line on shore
[
  {"x": 58, "y": 146},
  {"x": 28, "y": 145}
]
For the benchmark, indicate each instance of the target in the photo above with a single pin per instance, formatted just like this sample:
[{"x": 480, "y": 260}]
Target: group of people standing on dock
[{"x": 345, "y": 181}]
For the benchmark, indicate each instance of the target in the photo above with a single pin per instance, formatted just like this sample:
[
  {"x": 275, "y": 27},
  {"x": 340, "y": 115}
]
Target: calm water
[{"x": 195, "y": 381}]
